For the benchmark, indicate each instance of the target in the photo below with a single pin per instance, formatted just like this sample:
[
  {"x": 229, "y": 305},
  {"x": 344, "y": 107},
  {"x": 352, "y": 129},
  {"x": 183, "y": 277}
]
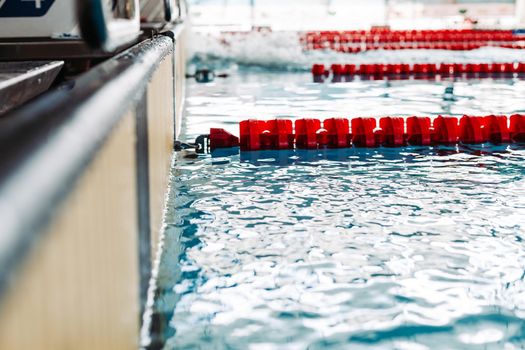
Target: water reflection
[
  {"x": 405, "y": 248},
  {"x": 305, "y": 156}
]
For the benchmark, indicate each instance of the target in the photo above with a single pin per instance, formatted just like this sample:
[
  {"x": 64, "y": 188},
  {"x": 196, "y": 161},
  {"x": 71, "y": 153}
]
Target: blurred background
[
  {"x": 353, "y": 14},
  {"x": 273, "y": 42}
]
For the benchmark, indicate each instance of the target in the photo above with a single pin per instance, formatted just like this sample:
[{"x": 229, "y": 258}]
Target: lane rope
[{"x": 311, "y": 133}]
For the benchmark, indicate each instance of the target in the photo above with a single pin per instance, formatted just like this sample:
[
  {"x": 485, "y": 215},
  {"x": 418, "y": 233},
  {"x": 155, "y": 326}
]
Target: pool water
[
  {"x": 258, "y": 93},
  {"x": 409, "y": 248}
]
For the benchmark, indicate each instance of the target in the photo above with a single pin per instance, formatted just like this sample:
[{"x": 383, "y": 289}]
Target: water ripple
[
  {"x": 415, "y": 253},
  {"x": 411, "y": 248}
]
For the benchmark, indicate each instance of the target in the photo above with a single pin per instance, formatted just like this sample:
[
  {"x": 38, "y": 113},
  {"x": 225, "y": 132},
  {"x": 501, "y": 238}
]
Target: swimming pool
[{"x": 409, "y": 248}]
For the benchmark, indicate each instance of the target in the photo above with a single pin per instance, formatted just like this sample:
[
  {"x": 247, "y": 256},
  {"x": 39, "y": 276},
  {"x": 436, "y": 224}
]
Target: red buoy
[
  {"x": 382, "y": 69},
  {"x": 495, "y": 129},
  {"x": 350, "y": 69},
  {"x": 511, "y": 68},
  {"x": 363, "y": 132},
  {"x": 420, "y": 68},
  {"x": 405, "y": 68},
  {"x": 318, "y": 69},
  {"x": 393, "y": 131},
  {"x": 220, "y": 138},
  {"x": 338, "y": 130},
  {"x": 418, "y": 131},
  {"x": 473, "y": 68},
  {"x": 445, "y": 130},
  {"x": 446, "y": 68},
  {"x": 369, "y": 69},
  {"x": 459, "y": 68},
  {"x": 251, "y": 134},
  {"x": 393, "y": 69},
  {"x": 484, "y": 68},
  {"x": 280, "y": 133},
  {"x": 306, "y": 132},
  {"x": 498, "y": 68},
  {"x": 517, "y": 127},
  {"x": 338, "y": 69},
  {"x": 471, "y": 129},
  {"x": 322, "y": 137}
]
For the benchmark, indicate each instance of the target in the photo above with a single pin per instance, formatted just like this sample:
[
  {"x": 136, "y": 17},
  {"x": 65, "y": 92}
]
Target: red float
[
  {"x": 322, "y": 137},
  {"x": 318, "y": 69},
  {"x": 432, "y": 68},
  {"x": 510, "y": 68},
  {"x": 396, "y": 40},
  {"x": 498, "y": 68},
  {"x": 418, "y": 131},
  {"x": 420, "y": 68},
  {"x": 471, "y": 129},
  {"x": 495, "y": 129},
  {"x": 338, "y": 131},
  {"x": 393, "y": 131},
  {"x": 459, "y": 68},
  {"x": 446, "y": 68},
  {"x": 517, "y": 127},
  {"x": 393, "y": 68},
  {"x": 338, "y": 69},
  {"x": 363, "y": 132},
  {"x": 484, "y": 68},
  {"x": 350, "y": 69},
  {"x": 473, "y": 68},
  {"x": 281, "y": 134},
  {"x": 425, "y": 68},
  {"x": 445, "y": 130},
  {"x": 310, "y": 133},
  {"x": 306, "y": 132},
  {"x": 368, "y": 69},
  {"x": 382, "y": 69},
  {"x": 251, "y": 134},
  {"x": 405, "y": 68},
  {"x": 220, "y": 138}
]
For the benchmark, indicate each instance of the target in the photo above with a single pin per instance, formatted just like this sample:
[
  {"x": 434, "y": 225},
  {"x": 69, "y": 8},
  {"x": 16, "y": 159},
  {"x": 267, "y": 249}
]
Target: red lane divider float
[
  {"x": 419, "y": 131},
  {"x": 517, "y": 128},
  {"x": 395, "y": 36},
  {"x": 418, "y": 69},
  {"x": 220, "y": 138},
  {"x": 357, "y": 41},
  {"x": 471, "y": 130},
  {"x": 251, "y": 132},
  {"x": 496, "y": 129},
  {"x": 308, "y": 133},
  {"x": 363, "y": 132},
  {"x": 445, "y": 130},
  {"x": 311, "y": 133},
  {"x": 338, "y": 130},
  {"x": 393, "y": 131},
  {"x": 281, "y": 133},
  {"x": 454, "y": 46}
]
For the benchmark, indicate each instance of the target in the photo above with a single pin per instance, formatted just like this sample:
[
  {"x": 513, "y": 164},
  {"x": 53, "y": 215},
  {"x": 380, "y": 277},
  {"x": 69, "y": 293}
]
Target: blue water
[{"x": 410, "y": 248}]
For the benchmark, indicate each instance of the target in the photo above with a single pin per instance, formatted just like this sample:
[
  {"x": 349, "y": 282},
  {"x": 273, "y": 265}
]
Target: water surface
[{"x": 409, "y": 248}]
